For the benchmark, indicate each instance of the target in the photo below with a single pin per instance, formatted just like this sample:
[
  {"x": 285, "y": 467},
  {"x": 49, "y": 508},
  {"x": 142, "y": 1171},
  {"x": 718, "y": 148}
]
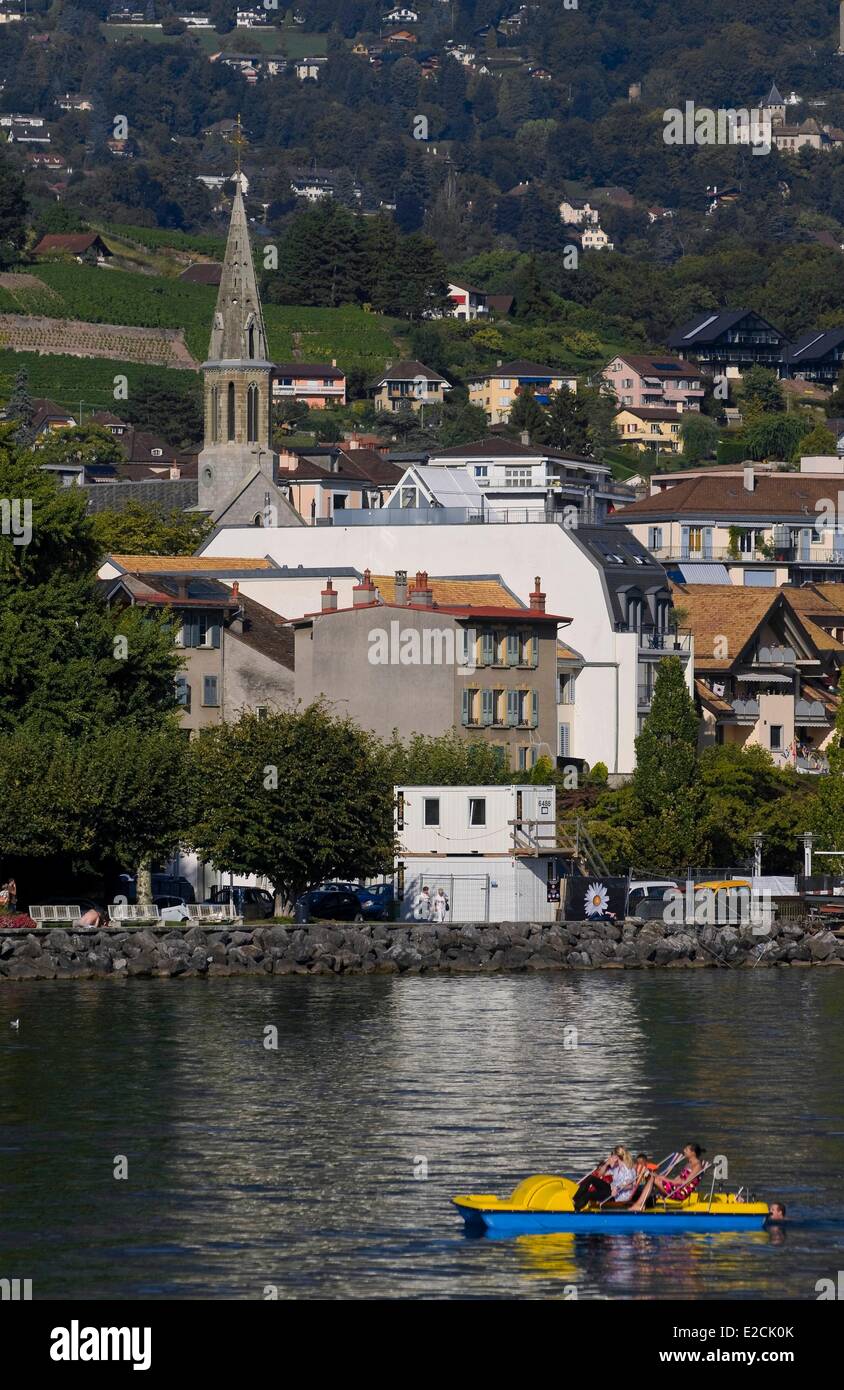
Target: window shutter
[
  {"x": 533, "y": 659},
  {"x": 209, "y": 690},
  {"x": 488, "y": 702},
  {"x": 512, "y": 708},
  {"x": 488, "y": 648},
  {"x": 213, "y": 634},
  {"x": 534, "y": 709},
  {"x": 191, "y": 629},
  {"x": 565, "y": 740},
  {"x": 512, "y": 649},
  {"x": 182, "y": 692},
  {"x": 467, "y": 698}
]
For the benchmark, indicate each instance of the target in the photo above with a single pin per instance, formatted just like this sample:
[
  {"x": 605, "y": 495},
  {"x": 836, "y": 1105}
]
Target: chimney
[
  {"x": 524, "y": 437},
  {"x": 420, "y": 595},
  {"x": 500, "y": 362},
  {"x": 363, "y": 594},
  {"x": 329, "y": 598},
  {"x": 680, "y": 408},
  {"x": 236, "y": 590},
  {"x": 537, "y": 598},
  {"x": 401, "y": 587},
  {"x": 749, "y": 478}
]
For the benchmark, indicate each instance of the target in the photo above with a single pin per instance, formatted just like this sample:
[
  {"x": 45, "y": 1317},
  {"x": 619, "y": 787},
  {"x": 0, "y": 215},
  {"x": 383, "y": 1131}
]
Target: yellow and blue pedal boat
[{"x": 543, "y": 1205}]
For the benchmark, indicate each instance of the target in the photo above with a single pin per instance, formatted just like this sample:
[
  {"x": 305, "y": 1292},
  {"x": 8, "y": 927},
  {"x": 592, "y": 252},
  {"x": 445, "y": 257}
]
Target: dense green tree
[
  {"x": 63, "y": 668},
  {"x": 444, "y": 760},
  {"x": 174, "y": 413},
  {"x": 761, "y": 392},
  {"x": 108, "y": 799},
  {"x": 21, "y": 408},
  {"x": 667, "y": 801},
  {"x": 700, "y": 437},
  {"x": 775, "y": 436},
  {"x": 13, "y": 211},
  {"x": 566, "y": 423},
  {"x": 149, "y": 530},
  {"x": 297, "y": 797},
  {"x": 526, "y": 417},
  {"x": 86, "y": 444},
  {"x": 819, "y": 440},
  {"x": 826, "y": 812},
  {"x": 461, "y": 422}
]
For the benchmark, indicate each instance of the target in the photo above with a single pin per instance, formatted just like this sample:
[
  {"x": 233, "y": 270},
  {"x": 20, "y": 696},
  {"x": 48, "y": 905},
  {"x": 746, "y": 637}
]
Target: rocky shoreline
[{"x": 383, "y": 949}]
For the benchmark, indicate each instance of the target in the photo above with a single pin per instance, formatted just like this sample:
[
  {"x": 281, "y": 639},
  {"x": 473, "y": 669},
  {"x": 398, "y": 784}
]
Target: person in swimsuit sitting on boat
[{"x": 677, "y": 1189}]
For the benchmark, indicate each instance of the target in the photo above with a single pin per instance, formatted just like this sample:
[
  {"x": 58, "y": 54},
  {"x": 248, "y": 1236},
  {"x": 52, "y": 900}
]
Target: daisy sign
[
  {"x": 592, "y": 899},
  {"x": 596, "y": 900}
]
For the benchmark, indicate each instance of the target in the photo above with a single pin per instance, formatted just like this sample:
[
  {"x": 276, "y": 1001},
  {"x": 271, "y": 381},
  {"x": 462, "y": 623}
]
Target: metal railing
[{"x": 680, "y": 641}]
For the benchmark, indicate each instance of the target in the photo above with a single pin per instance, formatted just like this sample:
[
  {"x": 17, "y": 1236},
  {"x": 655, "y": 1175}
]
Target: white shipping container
[{"x": 439, "y": 820}]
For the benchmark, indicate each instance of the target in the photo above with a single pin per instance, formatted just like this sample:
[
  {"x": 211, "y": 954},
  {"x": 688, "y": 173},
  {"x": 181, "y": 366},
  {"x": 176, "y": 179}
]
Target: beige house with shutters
[{"x": 418, "y": 665}]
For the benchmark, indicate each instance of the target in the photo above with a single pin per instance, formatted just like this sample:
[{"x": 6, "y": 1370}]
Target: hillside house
[
  {"x": 317, "y": 384},
  {"x": 650, "y": 427},
  {"x": 496, "y": 390},
  {"x": 408, "y": 385},
  {"x": 83, "y": 246},
  {"x": 729, "y": 341},
  {"x": 643, "y": 381}
]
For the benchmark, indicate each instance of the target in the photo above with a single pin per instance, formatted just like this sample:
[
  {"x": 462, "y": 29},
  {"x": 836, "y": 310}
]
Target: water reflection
[{"x": 299, "y": 1167}]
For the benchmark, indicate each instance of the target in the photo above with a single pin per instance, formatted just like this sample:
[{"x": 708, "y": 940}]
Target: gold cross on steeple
[{"x": 239, "y": 140}]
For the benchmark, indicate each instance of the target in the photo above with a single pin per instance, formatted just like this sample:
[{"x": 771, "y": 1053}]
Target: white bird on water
[{"x": 15, "y": 1023}]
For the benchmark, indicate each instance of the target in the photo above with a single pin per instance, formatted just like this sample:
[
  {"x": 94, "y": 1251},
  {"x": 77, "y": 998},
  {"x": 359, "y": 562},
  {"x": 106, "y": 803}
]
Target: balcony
[
  {"x": 746, "y": 709},
  {"x": 811, "y": 711},
  {"x": 667, "y": 643}
]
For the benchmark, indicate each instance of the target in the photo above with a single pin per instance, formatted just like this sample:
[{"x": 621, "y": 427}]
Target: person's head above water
[
  {"x": 693, "y": 1151},
  {"x": 776, "y": 1211}
]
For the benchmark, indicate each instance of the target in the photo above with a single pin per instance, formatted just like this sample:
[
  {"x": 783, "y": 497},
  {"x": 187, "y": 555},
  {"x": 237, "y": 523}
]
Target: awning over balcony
[
  {"x": 774, "y": 678},
  {"x": 694, "y": 572}
]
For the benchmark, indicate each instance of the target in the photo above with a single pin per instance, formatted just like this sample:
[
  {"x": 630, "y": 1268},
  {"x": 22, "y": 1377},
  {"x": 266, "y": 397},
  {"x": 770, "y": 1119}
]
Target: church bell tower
[{"x": 237, "y": 377}]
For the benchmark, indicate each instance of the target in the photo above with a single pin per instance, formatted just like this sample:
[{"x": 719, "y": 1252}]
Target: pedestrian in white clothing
[
  {"x": 439, "y": 906},
  {"x": 422, "y": 906}
]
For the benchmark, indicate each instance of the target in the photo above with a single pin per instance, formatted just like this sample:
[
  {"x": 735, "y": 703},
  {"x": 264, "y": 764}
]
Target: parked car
[
  {"x": 163, "y": 885},
  {"x": 376, "y": 901},
  {"x": 252, "y": 904},
  {"x": 329, "y": 905}
]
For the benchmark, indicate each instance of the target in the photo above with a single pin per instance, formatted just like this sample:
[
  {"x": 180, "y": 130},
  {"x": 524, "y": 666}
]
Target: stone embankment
[{"x": 424, "y": 948}]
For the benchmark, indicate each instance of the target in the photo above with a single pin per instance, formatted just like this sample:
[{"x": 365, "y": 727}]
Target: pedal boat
[{"x": 542, "y": 1205}]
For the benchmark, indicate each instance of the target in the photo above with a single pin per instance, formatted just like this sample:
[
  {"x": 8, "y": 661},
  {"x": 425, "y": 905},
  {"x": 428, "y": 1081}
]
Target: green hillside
[
  {"x": 83, "y": 382},
  {"x": 71, "y": 291}
]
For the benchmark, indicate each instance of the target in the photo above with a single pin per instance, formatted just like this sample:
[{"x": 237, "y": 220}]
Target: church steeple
[
  {"x": 238, "y": 333},
  {"x": 237, "y": 460}
]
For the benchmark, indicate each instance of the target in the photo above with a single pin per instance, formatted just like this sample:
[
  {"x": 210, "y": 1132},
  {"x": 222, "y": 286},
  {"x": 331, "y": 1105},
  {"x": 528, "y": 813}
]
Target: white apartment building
[{"x": 615, "y": 593}]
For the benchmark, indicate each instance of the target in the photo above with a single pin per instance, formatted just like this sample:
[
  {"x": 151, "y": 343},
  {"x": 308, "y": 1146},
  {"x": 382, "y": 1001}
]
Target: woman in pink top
[{"x": 675, "y": 1190}]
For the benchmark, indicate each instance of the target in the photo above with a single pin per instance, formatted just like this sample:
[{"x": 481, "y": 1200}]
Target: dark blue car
[{"x": 376, "y": 901}]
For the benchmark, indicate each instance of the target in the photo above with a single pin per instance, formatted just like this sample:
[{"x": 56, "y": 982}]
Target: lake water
[{"x": 297, "y": 1168}]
